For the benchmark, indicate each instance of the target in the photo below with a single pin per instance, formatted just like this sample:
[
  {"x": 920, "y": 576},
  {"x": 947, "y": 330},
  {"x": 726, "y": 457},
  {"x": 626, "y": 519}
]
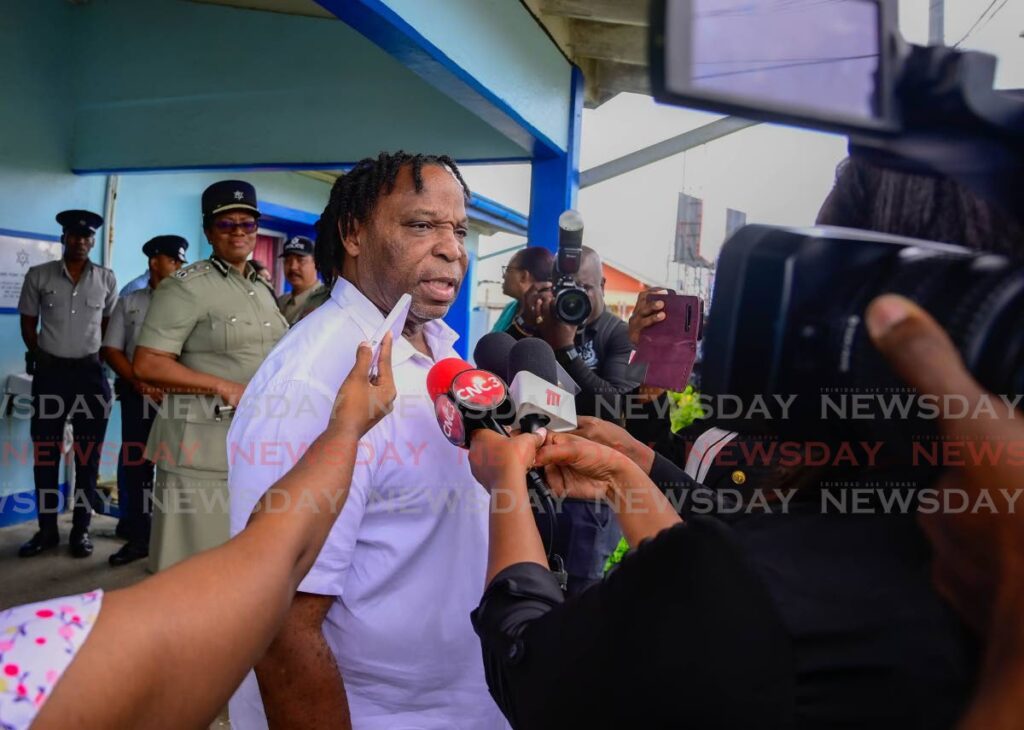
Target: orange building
[{"x": 621, "y": 287}]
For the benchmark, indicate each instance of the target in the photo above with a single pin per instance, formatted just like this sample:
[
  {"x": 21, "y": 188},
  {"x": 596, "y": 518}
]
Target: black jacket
[{"x": 791, "y": 620}]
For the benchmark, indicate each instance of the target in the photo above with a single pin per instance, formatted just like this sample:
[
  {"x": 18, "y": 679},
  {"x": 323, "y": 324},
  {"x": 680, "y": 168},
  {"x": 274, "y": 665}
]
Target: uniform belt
[{"x": 46, "y": 360}]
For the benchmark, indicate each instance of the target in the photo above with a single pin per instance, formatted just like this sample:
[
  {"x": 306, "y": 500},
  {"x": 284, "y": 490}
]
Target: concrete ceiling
[
  {"x": 289, "y": 7},
  {"x": 607, "y": 39}
]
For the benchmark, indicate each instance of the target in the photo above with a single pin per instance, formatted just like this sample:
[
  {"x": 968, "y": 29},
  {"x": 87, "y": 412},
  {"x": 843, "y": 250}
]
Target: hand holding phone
[{"x": 669, "y": 346}]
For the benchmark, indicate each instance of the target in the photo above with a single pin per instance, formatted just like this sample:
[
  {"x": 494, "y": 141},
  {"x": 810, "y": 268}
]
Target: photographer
[{"x": 595, "y": 355}]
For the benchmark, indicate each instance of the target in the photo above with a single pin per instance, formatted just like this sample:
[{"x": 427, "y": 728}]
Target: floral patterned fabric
[{"x": 37, "y": 643}]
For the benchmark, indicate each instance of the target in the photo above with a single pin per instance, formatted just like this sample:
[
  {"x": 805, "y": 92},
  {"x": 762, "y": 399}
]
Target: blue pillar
[
  {"x": 460, "y": 313},
  {"x": 555, "y": 180}
]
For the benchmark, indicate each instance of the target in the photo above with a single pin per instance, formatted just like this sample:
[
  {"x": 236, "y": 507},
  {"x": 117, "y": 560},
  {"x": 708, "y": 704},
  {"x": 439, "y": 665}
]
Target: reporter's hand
[
  {"x": 645, "y": 313},
  {"x": 614, "y": 437},
  {"x": 497, "y": 460},
  {"x": 576, "y": 467},
  {"x": 362, "y": 402},
  {"x": 978, "y": 557}
]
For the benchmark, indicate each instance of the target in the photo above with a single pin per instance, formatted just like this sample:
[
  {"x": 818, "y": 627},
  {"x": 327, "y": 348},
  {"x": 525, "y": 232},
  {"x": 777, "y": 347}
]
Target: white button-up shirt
[{"x": 406, "y": 559}]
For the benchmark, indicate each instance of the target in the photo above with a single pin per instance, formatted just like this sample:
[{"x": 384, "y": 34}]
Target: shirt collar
[
  {"x": 64, "y": 267},
  {"x": 225, "y": 268},
  {"x": 440, "y": 337}
]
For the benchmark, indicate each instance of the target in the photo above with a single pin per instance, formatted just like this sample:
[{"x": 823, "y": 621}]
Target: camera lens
[
  {"x": 572, "y": 306},
  {"x": 977, "y": 299}
]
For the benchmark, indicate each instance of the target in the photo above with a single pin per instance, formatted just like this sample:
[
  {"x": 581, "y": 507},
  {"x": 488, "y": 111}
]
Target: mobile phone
[
  {"x": 393, "y": 323},
  {"x": 669, "y": 348}
]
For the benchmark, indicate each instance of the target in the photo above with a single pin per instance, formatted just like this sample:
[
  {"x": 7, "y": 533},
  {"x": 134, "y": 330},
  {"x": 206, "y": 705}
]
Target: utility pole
[{"x": 937, "y": 23}]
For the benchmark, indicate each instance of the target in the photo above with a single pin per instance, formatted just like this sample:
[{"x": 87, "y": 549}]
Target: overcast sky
[{"x": 777, "y": 175}]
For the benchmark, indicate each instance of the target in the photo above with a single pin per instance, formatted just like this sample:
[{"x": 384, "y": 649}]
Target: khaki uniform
[
  {"x": 292, "y": 306},
  {"x": 221, "y": 323},
  {"x": 318, "y": 297}
]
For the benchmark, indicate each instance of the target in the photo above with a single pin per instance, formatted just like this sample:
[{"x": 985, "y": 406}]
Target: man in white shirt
[{"x": 379, "y": 635}]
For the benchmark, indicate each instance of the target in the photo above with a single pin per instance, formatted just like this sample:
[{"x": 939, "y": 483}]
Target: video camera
[
  {"x": 788, "y": 304},
  {"x": 571, "y": 304}
]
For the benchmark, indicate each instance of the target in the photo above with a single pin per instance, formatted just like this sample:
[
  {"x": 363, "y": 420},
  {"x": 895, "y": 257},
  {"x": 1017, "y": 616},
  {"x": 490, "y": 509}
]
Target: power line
[
  {"x": 994, "y": 14},
  {"x": 976, "y": 23}
]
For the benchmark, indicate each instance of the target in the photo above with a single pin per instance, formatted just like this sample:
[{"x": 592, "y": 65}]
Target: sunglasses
[
  {"x": 505, "y": 269},
  {"x": 225, "y": 226}
]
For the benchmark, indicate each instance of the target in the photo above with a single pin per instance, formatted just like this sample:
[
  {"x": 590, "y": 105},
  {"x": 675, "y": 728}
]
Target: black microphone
[
  {"x": 539, "y": 402},
  {"x": 492, "y": 351}
]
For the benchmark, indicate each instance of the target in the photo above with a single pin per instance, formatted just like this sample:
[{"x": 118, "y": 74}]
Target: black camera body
[
  {"x": 786, "y": 318},
  {"x": 788, "y": 321},
  {"x": 571, "y": 304}
]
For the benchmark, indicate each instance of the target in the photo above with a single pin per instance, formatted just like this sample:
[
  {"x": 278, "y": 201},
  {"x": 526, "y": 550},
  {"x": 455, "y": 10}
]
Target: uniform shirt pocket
[
  {"x": 54, "y": 309},
  {"x": 229, "y": 331},
  {"x": 94, "y": 312}
]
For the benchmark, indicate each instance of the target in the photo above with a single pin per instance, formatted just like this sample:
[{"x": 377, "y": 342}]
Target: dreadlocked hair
[{"x": 354, "y": 197}]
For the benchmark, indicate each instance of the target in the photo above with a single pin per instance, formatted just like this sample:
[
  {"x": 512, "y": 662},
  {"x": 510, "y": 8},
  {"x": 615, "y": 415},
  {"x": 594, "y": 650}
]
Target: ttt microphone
[
  {"x": 465, "y": 399},
  {"x": 539, "y": 402},
  {"x": 491, "y": 353}
]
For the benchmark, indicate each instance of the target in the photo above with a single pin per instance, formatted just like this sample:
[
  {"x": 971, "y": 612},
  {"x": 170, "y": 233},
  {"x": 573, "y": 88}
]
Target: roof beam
[
  {"x": 619, "y": 43},
  {"x": 620, "y": 12},
  {"x": 657, "y": 152}
]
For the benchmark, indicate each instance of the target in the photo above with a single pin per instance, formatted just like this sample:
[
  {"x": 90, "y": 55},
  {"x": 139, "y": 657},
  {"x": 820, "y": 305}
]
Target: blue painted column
[
  {"x": 555, "y": 179},
  {"x": 461, "y": 311}
]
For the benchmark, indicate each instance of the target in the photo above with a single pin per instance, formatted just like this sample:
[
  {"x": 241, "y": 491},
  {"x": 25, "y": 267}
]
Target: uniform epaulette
[{"x": 199, "y": 268}]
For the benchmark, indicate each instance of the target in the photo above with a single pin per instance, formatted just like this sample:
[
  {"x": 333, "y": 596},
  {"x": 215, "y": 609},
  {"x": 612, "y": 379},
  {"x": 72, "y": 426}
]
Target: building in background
[{"x": 132, "y": 108}]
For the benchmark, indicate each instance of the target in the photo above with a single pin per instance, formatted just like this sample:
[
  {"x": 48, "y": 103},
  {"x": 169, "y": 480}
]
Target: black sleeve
[
  {"x": 667, "y": 476},
  {"x": 681, "y": 633},
  {"x": 612, "y": 380}
]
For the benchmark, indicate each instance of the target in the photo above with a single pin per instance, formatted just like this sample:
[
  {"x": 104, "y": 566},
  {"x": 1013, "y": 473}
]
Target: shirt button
[
  {"x": 72, "y": 311},
  {"x": 233, "y": 320},
  {"x": 266, "y": 324},
  {"x": 74, "y": 294},
  {"x": 252, "y": 293}
]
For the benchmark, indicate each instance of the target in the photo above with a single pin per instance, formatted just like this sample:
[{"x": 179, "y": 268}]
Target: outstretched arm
[{"x": 196, "y": 629}]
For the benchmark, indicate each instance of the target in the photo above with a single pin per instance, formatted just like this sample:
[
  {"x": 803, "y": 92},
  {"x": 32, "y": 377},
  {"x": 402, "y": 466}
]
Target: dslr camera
[
  {"x": 571, "y": 304},
  {"x": 787, "y": 307}
]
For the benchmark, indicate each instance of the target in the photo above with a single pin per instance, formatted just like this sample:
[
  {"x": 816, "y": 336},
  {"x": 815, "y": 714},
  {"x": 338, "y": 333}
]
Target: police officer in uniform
[
  {"x": 300, "y": 271},
  {"x": 74, "y": 298},
  {"x": 208, "y": 328},
  {"x": 139, "y": 400}
]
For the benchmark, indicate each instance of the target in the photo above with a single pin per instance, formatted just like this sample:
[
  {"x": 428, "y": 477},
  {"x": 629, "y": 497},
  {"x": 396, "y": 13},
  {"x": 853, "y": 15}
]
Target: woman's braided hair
[{"x": 354, "y": 197}]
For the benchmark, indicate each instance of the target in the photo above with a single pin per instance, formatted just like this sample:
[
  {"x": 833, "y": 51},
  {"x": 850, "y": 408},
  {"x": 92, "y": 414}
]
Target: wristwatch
[{"x": 568, "y": 354}]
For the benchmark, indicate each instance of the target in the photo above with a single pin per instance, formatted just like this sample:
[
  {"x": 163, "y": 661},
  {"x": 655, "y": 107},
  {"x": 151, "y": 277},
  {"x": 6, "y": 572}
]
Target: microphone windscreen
[
  {"x": 491, "y": 353},
  {"x": 441, "y": 375},
  {"x": 535, "y": 356}
]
